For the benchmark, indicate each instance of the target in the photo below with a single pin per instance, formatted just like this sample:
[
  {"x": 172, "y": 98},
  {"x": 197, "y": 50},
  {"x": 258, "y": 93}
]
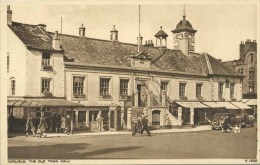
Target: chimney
[
  {"x": 149, "y": 43},
  {"x": 43, "y": 26},
  {"x": 241, "y": 49},
  {"x": 82, "y": 31},
  {"x": 56, "y": 44},
  {"x": 9, "y": 15}
]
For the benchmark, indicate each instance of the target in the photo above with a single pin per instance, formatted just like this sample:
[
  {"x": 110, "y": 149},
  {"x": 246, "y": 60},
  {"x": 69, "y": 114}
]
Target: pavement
[
  {"x": 95, "y": 133},
  {"x": 188, "y": 129}
]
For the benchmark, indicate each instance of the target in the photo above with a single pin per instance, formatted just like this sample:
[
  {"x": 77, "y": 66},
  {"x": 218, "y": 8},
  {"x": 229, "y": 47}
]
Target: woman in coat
[
  {"x": 42, "y": 126},
  {"x": 29, "y": 126},
  {"x": 62, "y": 126}
]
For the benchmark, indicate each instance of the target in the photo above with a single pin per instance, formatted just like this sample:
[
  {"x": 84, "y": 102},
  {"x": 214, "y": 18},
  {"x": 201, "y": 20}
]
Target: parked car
[
  {"x": 246, "y": 120},
  {"x": 242, "y": 119},
  {"x": 217, "y": 120}
]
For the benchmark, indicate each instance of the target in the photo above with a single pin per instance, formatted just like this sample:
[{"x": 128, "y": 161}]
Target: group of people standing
[
  {"x": 141, "y": 125},
  {"x": 57, "y": 122}
]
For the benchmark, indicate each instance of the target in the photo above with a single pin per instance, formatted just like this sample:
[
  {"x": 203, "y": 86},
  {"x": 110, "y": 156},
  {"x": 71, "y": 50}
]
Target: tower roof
[
  {"x": 114, "y": 29},
  {"x": 161, "y": 33},
  {"x": 82, "y": 27},
  {"x": 184, "y": 25}
]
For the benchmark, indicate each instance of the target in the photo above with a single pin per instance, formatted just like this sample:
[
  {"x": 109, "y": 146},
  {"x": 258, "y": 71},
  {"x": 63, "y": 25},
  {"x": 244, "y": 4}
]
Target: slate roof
[
  {"x": 113, "y": 53},
  {"x": 32, "y": 35},
  {"x": 219, "y": 68}
]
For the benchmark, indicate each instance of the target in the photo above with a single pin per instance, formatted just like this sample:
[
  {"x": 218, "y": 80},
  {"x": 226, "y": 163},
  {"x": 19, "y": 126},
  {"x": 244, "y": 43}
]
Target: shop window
[
  {"x": 78, "y": 86},
  {"x": 123, "y": 88}
]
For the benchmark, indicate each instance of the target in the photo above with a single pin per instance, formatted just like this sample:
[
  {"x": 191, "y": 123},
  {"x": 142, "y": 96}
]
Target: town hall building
[{"x": 60, "y": 73}]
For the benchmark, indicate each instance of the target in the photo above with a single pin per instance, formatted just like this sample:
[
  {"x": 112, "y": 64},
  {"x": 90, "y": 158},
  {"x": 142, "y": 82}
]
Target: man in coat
[{"x": 145, "y": 126}]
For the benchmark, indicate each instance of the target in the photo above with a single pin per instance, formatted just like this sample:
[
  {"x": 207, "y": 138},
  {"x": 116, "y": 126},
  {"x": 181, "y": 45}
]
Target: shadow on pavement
[{"x": 60, "y": 151}]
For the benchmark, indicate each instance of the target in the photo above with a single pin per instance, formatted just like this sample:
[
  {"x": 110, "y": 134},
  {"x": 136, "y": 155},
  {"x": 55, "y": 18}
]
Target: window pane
[
  {"x": 104, "y": 86},
  {"x": 78, "y": 86},
  {"x": 123, "y": 87}
]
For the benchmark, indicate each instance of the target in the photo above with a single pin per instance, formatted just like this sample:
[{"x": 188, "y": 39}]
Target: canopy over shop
[
  {"x": 197, "y": 113},
  {"x": 42, "y": 106}
]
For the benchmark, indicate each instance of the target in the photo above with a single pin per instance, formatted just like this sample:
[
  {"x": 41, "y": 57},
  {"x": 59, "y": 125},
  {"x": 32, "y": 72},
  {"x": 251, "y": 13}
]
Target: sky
[{"x": 220, "y": 27}]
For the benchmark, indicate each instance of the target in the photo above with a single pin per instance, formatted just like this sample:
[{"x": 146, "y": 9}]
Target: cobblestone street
[{"x": 186, "y": 145}]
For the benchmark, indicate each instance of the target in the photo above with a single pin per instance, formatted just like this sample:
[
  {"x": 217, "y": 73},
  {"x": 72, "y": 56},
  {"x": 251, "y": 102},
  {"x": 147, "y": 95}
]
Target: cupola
[
  {"x": 82, "y": 31},
  {"x": 162, "y": 37},
  {"x": 114, "y": 34},
  {"x": 184, "y": 36}
]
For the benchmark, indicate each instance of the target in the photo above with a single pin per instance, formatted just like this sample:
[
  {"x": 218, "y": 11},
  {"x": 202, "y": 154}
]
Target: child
[{"x": 237, "y": 129}]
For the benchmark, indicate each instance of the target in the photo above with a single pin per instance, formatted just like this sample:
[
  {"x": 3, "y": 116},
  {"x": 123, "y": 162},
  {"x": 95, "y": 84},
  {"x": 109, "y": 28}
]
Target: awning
[
  {"x": 250, "y": 101},
  {"x": 213, "y": 104},
  {"x": 43, "y": 103},
  {"x": 241, "y": 105},
  {"x": 228, "y": 105},
  {"x": 191, "y": 104}
]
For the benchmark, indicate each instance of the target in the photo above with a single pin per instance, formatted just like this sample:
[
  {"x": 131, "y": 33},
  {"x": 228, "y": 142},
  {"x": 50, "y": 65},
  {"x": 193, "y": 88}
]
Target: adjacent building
[{"x": 59, "y": 73}]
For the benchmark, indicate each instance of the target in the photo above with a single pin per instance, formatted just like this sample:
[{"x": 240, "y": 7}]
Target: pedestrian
[
  {"x": 145, "y": 126},
  {"x": 56, "y": 122},
  {"x": 134, "y": 129},
  {"x": 99, "y": 122},
  {"x": 139, "y": 124},
  {"x": 11, "y": 120},
  {"x": 67, "y": 124},
  {"x": 51, "y": 123},
  {"x": 29, "y": 126},
  {"x": 226, "y": 123},
  {"x": 62, "y": 121},
  {"x": 167, "y": 121},
  {"x": 42, "y": 127}
]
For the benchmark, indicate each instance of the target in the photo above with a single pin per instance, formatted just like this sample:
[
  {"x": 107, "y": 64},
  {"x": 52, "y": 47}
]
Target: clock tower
[{"x": 184, "y": 36}]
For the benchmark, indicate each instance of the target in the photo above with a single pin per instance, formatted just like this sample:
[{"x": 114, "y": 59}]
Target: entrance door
[
  {"x": 93, "y": 120},
  {"x": 156, "y": 119},
  {"x": 82, "y": 119},
  {"x": 142, "y": 97}
]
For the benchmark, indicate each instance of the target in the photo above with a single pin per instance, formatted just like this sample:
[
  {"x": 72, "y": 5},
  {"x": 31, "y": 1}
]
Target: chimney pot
[
  {"x": 56, "y": 44},
  {"x": 9, "y": 15},
  {"x": 43, "y": 26}
]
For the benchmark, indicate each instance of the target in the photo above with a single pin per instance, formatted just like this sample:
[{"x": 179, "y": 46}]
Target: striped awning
[
  {"x": 213, "y": 104},
  {"x": 43, "y": 103},
  {"x": 250, "y": 102},
  {"x": 228, "y": 105},
  {"x": 191, "y": 104},
  {"x": 241, "y": 105}
]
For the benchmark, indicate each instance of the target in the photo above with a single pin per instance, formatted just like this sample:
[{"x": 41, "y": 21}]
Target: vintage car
[
  {"x": 241, "y": 119},
  {"x": 246, "y": 120},
  {"x": 217, "y": 120}
]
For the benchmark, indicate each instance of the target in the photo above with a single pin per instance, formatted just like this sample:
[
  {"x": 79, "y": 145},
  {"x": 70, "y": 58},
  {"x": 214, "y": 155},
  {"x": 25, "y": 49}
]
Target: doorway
[{"x": 142, "y": 97}]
